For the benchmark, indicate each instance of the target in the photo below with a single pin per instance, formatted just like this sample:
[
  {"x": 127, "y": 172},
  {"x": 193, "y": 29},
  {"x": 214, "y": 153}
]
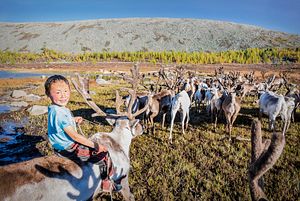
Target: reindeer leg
[
  {"x": 208, "y": 109},
  {"x": 233, "y": 118},
  {"x": 285, "y": 126},
  {"x": 293, "y": 115},
  {"x": 173, "y": 114},
  {"x": 145, "y": 120},
  {"x": 230, "y": 130},
  {"x": 272, "y": 123},
  {"x": 227, "y": 122},
  {"x": 216, "y": 119},
  {"x": 125, "y": 191},
  {"x": 163, "y": 121},
  {"x": 220, "y": 114},
  {"x": 152, "y": 122},
  {"x": 260, "y": 115},
  {"x": 288, "y": 125},
  {"x": 187, "y": 119},
  {"x": 212, "y": 113},
  {"x": 147, "y": 123},
  {"x": 183, "y": 115}
]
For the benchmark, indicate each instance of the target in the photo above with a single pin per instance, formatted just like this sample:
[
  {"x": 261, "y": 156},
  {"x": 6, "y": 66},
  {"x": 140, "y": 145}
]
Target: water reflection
[
  {"x": 10, "y": 74},
  {"x": 15, "y": 145},
  {"x": 4, "y": 108}
]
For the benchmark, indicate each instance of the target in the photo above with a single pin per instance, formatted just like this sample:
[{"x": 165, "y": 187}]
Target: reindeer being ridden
[{"x": 33, "y": 179}]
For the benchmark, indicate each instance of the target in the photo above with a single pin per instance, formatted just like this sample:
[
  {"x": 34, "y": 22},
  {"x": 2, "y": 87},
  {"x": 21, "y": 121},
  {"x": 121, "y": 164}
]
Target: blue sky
[{"x": 279, "y": 15}]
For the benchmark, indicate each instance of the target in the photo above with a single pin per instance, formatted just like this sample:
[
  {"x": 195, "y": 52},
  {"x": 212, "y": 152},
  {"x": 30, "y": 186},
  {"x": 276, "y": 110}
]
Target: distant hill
[{"x": 140, "y": 34}]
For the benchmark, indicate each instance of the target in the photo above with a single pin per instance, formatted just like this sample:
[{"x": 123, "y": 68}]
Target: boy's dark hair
[{"x": 52, "y": 79}]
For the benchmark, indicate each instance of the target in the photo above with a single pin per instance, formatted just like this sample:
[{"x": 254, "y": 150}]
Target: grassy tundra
[{"x": 200, "y": 165}]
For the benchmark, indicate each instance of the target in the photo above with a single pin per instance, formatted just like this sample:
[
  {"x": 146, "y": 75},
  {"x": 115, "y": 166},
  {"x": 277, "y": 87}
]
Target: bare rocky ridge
[{"x": 140, "y": 34}]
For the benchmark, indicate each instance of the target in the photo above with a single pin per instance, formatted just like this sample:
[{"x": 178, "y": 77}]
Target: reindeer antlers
[
  {"x": 264, "y": 156},
  {"x": 174, "y": 81},
  {"x": 84, "y": 92},
  {"x": 134, "y": 81}
]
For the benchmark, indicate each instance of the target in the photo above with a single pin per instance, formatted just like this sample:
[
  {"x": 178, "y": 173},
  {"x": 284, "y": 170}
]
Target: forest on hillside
[{"x": 247, "y": 56}]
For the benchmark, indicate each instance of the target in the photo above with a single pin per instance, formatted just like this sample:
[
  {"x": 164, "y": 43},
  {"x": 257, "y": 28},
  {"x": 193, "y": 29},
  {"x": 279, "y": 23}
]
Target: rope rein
[{"x": 91, "y": 122}]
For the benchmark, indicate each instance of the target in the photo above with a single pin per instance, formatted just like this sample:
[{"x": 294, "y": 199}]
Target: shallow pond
[
  {"x": 11, "y": 74},
  {"x": 15, "y": 145},
  {"x": 5, "y": 108}
]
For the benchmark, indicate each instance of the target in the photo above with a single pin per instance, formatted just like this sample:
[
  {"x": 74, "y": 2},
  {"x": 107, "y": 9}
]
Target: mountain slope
[{"x": 135, "y": 34}]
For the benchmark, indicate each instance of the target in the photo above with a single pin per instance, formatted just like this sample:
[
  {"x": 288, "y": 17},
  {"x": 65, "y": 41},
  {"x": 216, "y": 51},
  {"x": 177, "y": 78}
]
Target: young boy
[{"x": 62, "y": 125}]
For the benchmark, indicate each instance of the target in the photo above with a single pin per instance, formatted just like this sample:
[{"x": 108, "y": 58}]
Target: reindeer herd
[
  {"x": 169, "y": 91},
  {"x": 218, "y": 95}
]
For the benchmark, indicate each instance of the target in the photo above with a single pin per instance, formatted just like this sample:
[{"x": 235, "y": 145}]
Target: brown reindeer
[
  {"x": 231, "y": 107},
  {"x": 263, "y": 157},
  {"x": 159, "y": 103}
]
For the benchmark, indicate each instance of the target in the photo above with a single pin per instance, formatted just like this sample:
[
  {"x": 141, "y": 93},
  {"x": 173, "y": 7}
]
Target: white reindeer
[
  {"x": 180, "y": 101},
  {"x": 273, "y": 105},
  {"x": 294, "y": 93},
  {"x": 199, "y": 95}
]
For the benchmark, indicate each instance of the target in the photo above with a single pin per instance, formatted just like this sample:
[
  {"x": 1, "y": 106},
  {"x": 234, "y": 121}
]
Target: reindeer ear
[
  {"x": 111, "y": 120},
  {"x": 136, "y": 128},
  {"x": 133, "y": 123}
]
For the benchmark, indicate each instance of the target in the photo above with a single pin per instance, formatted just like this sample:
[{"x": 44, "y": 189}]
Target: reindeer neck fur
[
  {"x": 123, "y": 136},
  {"x": 232, "y": 98},
  {"x": 231, "y": 104},
  {"x": 215, "y": 93},
  {"x": 118, "y": 149},
  {"x": 118, "y": 144}
]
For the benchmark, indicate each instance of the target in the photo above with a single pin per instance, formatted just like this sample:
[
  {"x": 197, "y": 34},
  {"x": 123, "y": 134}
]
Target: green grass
[{"x": 200, "y": 165}]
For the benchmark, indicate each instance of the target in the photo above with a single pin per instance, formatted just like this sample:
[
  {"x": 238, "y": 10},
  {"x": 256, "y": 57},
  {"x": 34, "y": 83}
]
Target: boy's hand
[
  {"x": 99, "y": 148},
  {"x": 78, "y": 120}
]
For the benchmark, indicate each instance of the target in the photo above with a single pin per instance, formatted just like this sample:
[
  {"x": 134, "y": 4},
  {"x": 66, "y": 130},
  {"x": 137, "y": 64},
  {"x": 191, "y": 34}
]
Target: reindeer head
[{"x": 123, "y": 123}]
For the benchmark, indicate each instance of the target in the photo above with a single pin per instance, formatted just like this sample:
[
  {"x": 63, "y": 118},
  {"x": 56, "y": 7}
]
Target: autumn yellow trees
[{"x": 247, "y": 56}]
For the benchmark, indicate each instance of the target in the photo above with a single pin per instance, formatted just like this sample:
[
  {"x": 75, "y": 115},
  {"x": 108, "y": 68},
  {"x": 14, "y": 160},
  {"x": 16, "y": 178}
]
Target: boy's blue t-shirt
[{"x": 59, "y": 118}]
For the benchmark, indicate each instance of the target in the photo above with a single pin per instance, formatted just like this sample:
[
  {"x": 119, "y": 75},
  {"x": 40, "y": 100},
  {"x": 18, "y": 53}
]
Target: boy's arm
[{"x": 82, "y": 140}]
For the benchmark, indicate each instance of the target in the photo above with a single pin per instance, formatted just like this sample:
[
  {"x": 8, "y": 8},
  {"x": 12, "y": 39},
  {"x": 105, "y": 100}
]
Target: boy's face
[{"x": 60, "y": 93}]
